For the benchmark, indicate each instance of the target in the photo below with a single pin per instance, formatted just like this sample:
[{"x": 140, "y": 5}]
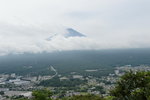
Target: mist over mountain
[{"x": 20, "y": 39}]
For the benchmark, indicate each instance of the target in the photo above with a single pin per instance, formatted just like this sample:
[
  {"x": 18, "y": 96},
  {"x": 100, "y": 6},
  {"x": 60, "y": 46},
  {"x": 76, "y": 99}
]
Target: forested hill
[{"x": 67, "y": 61}]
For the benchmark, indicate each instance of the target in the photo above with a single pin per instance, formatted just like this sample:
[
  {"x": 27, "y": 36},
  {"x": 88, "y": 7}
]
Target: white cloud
[{"x": 25, "y": 24}]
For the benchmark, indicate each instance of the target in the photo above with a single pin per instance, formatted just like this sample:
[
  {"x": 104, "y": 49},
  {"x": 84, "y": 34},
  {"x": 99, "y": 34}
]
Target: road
[{"x": 53, "y": 69}]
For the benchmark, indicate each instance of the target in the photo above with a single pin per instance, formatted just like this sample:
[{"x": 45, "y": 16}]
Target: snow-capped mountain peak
[
  {"x": 69, "y": 33},
  {"x": 73, "y": 33}
]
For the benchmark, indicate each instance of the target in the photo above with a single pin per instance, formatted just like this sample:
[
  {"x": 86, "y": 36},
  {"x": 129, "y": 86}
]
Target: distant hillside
[{"x": 70, "y": 61}]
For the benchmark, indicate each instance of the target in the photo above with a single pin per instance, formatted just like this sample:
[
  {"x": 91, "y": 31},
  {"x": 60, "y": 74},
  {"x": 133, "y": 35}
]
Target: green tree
[
  {"x": 2, "y": 92},
  {"x": 133, "y": 86},
  {"x": 42, "y": 95}
]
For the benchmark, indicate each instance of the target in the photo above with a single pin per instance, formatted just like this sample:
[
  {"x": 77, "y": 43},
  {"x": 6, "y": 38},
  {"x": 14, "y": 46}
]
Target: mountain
[
  {"x": 69, "y": 33},
  {"x": 73, "y": 33},
  {"x": 66, "y": 62}
]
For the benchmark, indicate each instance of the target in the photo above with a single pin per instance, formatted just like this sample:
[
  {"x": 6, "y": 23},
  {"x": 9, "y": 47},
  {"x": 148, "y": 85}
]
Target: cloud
[
  {"x": 20, "y": 39},
  {"x": 24, "y": 25}
]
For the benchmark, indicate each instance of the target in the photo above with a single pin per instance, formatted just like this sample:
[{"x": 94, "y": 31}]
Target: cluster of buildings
[
  {"x": 12, "y": 79},
  {"x": 107, "y": 82},
  {"x": 14, "y": 85},
  {"x": 127, "y": 68},
  {"x": 7, "y": 94}
]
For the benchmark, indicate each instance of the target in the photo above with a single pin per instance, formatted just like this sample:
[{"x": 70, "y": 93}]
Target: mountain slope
[{"x": 73, "y": 33}]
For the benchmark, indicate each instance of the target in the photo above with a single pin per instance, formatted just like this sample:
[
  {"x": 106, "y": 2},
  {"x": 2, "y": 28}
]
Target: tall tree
[{"x": 133, "y": 86}]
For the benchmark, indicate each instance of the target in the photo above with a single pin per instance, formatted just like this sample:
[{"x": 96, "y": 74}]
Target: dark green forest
[
  {"x": 73, "y": 61},
  {"x": 56, "y": 82}
]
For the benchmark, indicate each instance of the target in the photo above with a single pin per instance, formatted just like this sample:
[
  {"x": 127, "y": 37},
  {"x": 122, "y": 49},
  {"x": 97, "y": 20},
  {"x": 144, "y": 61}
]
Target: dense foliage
[
  {"x": 56, "y": 82},
  {"x": 42, "y": 95},
  {"x": 133, "y": 86}
]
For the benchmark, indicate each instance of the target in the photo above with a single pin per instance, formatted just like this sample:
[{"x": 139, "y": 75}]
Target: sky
[{"x": 26, "y": 24}]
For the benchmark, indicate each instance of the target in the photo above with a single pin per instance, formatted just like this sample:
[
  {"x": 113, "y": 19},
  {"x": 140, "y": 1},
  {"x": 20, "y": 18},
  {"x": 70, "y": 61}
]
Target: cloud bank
[
  {"x": 25, "y": 25},
  {"x": 21, "y": 38}
]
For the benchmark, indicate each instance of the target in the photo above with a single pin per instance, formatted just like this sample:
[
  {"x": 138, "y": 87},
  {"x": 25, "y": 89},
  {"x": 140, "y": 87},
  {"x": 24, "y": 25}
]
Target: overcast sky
[{"x": 26, "y": 24}]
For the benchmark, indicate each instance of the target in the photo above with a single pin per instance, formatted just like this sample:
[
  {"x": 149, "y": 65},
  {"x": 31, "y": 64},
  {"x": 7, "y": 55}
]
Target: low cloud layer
[
  {"x": 26, "y": 25},
  {"x": 22, "y": 38}
]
